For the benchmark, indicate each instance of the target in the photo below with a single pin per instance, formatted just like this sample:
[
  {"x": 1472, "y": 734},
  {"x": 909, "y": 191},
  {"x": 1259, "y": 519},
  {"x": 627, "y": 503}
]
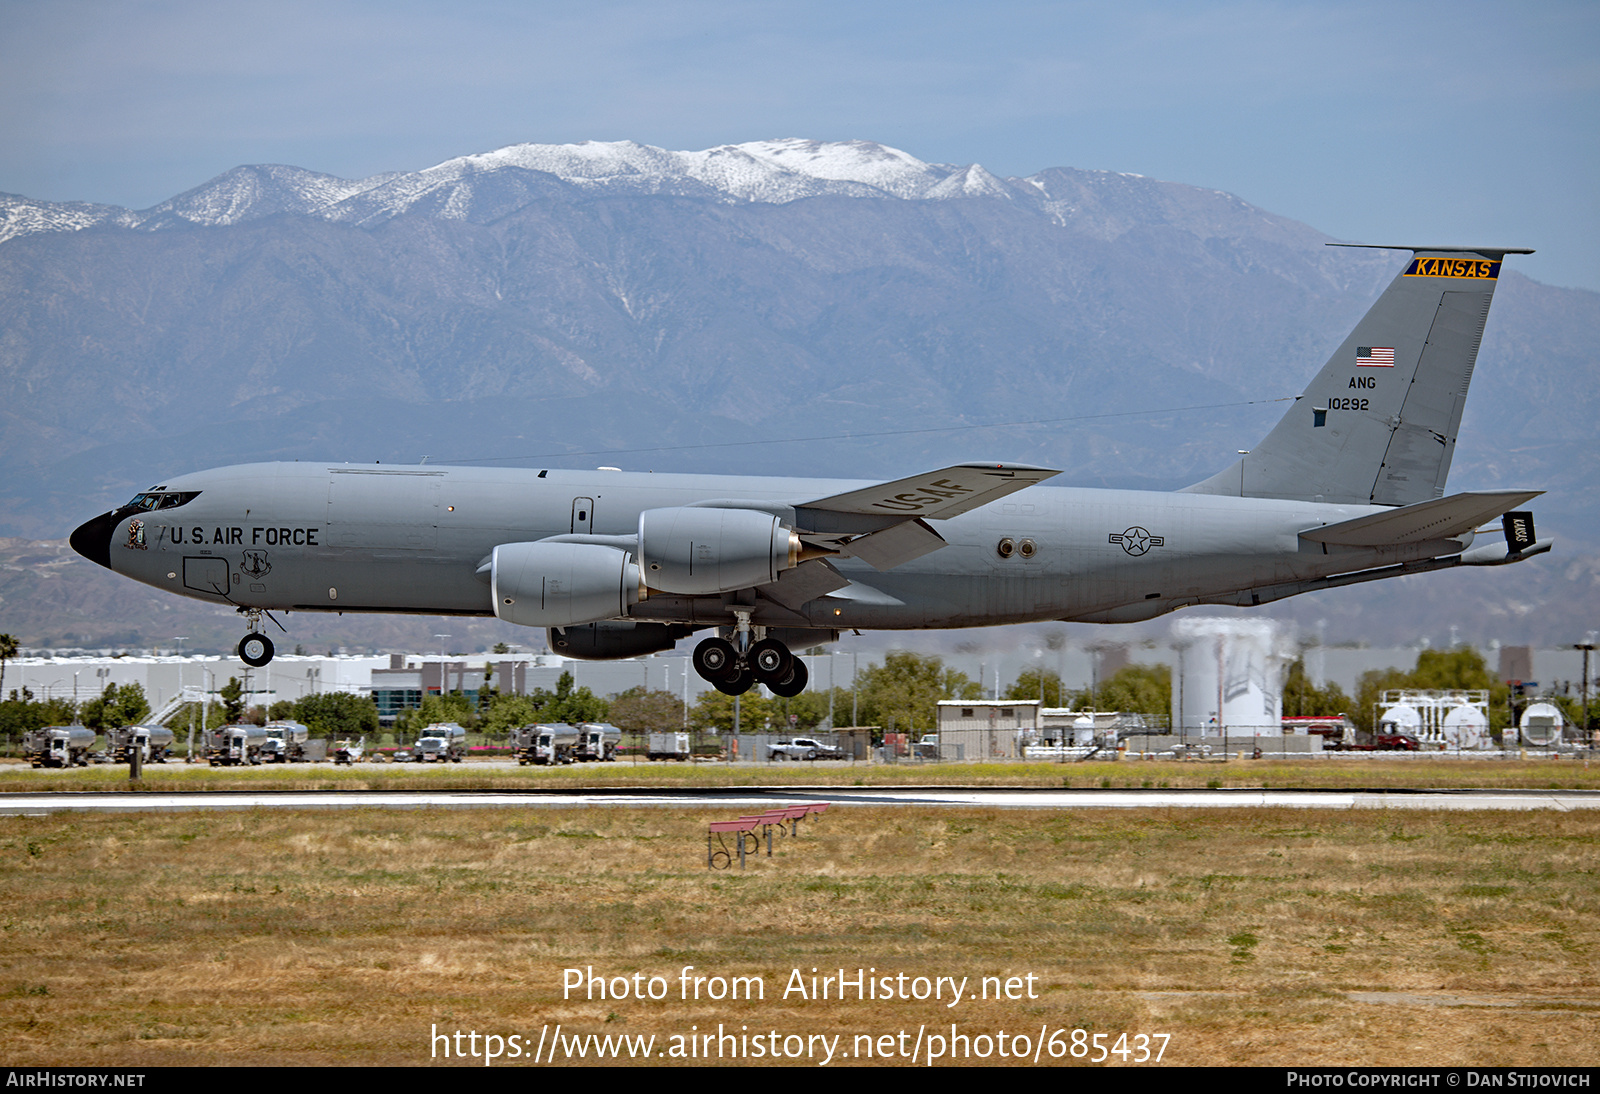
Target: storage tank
[
  {"x": 1083, "y": 732},
  {"x": 1231, "y": 676},
  {"x": 1541, "y": 726},
  {"x": 1449, "y": 719},
  {"x": 1465, "y": 726},
  {"x": 1401, "y": 718}
]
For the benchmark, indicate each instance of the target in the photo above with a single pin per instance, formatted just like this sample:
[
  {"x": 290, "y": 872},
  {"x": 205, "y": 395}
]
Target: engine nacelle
[
  {"x": 616, "y": 638},
  {"x": 562, "y": 584},
  {"x": 695, "y": 551}
]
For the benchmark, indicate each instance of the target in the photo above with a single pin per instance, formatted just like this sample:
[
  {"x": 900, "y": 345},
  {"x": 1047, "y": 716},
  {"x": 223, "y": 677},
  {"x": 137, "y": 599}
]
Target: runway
[{"x": 36, "y": 804}]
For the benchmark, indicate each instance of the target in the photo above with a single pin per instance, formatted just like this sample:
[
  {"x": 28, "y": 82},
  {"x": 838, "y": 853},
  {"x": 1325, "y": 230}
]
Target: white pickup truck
[{"x": 803, "y": 748}]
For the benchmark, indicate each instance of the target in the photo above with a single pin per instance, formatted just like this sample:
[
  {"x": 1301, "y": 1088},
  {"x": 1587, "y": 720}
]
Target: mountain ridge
[
  {"x": 756, "y": 172},
  {"x": 1132, "y": 331}
]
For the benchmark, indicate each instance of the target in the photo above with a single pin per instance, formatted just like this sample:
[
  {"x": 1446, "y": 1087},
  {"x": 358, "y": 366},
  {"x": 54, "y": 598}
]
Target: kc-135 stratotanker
[{"x": 1348, "y": 487}]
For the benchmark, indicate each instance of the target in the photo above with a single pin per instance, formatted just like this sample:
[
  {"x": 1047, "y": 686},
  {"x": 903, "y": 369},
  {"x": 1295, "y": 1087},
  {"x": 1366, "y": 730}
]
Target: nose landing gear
[{"x": 255, "y": 648}]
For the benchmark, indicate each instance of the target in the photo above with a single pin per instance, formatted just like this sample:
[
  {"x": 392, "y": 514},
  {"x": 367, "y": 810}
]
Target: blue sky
[{"x": 1411, "y": 123}]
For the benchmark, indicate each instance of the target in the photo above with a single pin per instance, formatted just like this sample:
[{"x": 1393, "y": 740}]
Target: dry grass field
[{"x": 1245, "y": 937}]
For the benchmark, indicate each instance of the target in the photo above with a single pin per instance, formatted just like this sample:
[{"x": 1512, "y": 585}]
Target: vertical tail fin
[{"x": 1377, "y": 426}]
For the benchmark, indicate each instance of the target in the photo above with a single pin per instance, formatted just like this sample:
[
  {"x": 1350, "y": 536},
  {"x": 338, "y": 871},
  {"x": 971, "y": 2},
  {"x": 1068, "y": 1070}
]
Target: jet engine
[
  {"x": 562, "y": 584},
  {"x": 695, "y": 551}
]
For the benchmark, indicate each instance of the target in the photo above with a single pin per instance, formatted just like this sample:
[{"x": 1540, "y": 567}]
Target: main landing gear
[
  {"x": 255, "y": 648},
  {"x": 767, "y": 661}
]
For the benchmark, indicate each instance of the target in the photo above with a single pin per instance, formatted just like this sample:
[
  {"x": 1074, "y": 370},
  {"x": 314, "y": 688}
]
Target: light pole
[
  {"x": 1182, "y": 646},
  {"x": 442, "y": 639},
  {"x": 205, "y": 710},
  {"x": 1586, "y": 646},
  {"x": 181, "y": 639},
  {"x": 830, "y": 690},
  {"x": 855, "y": 675},
  {"x": 1057, "y": 640}
]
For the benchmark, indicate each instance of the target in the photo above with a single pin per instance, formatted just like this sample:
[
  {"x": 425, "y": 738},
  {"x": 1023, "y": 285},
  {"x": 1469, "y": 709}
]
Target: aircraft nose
[{"x": 92, "y": 539}]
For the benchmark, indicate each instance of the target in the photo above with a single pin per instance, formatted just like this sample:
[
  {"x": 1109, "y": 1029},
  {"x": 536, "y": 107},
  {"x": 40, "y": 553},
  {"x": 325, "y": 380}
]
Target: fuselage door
[
  {"x": 206, "y": 575},
  {"x": 582, "y": 515}
]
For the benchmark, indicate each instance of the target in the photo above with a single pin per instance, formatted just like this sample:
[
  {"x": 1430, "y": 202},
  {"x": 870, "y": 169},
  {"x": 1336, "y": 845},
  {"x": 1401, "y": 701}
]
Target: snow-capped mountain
[
  {"x": 486, "y": 185},
  {"x": 21, "y": 216},
  {"x": 762, "y": 171}
]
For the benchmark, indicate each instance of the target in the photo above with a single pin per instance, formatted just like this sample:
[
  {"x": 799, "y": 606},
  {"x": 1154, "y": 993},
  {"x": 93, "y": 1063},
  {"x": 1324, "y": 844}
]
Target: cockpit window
[{"x": 159, "y": 499}]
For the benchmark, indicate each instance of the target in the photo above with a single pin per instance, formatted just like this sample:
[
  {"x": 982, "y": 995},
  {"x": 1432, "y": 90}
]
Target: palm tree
[{"x": 8, "y": 650}]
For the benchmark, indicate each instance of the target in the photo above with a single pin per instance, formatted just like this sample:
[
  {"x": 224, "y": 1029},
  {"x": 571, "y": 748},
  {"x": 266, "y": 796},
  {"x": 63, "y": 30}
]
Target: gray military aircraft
[{"x": 1348, "y": 487}]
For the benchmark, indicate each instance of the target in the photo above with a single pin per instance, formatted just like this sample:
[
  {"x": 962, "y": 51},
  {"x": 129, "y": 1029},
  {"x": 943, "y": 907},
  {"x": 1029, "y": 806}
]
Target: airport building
[{"x": 987, "y": 729}]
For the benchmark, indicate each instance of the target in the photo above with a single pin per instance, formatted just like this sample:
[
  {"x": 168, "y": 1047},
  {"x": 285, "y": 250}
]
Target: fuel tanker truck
[
  {"x": 58, "y": 746},
  {"x": 234, "y": 746},
  {"x": 153, "y": 743}
]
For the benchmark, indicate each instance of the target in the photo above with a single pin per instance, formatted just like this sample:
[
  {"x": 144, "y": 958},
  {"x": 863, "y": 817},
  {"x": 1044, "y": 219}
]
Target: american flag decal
[{"x": 1374, "y": 357}]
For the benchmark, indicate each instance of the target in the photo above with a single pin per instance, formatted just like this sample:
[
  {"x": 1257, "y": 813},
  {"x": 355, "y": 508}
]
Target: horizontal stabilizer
[
  {"x": 934, "y": 495},
  {"x": 1441, "y": 518},
  {"x": 1500, "y": 554}
]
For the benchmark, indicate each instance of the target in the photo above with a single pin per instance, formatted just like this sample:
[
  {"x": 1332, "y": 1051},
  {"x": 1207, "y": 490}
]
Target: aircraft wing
[
  {"x": 886, "y": 525},
  {"x": 1441, "y": 518},
  {"x": 935, "y": 495}
]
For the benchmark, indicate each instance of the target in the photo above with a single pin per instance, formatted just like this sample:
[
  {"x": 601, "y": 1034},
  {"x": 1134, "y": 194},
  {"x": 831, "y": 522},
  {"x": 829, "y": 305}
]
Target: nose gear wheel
[{"x": 255, "y": 650}]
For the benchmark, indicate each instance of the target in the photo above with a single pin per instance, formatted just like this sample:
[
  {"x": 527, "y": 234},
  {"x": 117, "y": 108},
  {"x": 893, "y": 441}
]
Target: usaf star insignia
[{"x": 1136, "y": 540}]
